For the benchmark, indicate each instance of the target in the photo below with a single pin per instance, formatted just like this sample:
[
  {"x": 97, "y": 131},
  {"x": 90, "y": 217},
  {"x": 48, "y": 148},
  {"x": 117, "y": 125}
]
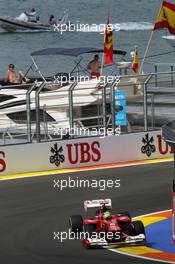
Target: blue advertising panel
[{"x": 120, "y": 108}]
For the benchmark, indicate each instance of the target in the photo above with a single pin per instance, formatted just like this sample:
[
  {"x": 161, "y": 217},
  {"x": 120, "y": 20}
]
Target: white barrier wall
[{"x": 82, "y": 152}]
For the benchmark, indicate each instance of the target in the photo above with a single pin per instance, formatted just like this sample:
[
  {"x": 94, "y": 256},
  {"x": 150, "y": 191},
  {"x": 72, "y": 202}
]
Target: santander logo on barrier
[{"x": 84, "y": 152}]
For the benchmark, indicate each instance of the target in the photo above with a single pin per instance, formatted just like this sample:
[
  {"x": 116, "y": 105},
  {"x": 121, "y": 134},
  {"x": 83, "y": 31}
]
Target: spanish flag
[
  {"x": 166, "y": 17},
  {"x": 135, "y": 64},
  {"x": 108, "y": 44}
]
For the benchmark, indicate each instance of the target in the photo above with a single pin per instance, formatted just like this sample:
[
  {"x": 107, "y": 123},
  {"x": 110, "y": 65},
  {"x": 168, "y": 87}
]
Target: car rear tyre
[{"x": 76, "y": 223}]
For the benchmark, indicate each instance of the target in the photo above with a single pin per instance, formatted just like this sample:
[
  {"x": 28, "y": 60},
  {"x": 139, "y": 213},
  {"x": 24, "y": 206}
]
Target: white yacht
[{"x": 56, "y": 100}]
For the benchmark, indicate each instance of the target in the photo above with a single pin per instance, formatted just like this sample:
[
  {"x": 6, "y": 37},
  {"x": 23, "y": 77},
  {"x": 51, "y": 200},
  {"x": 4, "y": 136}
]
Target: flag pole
[
  {"x": 146, "y": 51},
  {"x": 149, "y": 42},
  {"x": 102, "y": 64}
]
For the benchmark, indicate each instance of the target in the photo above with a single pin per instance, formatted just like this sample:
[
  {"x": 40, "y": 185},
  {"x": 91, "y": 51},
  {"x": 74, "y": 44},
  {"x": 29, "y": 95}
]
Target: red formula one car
[{"x": 104, "y": 228}]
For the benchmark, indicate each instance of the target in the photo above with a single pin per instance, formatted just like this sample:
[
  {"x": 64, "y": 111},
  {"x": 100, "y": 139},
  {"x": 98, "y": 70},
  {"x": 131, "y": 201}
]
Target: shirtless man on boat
[
  {"x": 11, "y": 76},
  {"x": 94, "y": 65}
]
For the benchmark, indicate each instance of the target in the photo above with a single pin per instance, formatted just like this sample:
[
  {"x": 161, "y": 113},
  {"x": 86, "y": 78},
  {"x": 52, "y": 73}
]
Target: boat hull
[{"x": 14, "y": 24}]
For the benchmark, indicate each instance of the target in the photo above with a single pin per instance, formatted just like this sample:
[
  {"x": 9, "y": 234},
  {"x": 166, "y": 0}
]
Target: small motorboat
[
  {"x": 13, "y": 24},
  {"x": 10, "y": 24}
]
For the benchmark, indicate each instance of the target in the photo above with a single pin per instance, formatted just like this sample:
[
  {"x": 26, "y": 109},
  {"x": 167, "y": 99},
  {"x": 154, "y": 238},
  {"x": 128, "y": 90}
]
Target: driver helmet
[
  {"x": 104, "y": 208},
  {"x": 106, "y": 214}
]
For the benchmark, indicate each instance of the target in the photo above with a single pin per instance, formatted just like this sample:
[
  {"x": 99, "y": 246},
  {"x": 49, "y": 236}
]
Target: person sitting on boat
[
  {"x": 94, "y": 65},
  {"x": 29, "y": 16},
  {"x": 52, "y": 20},
  {"x": 11, "y": 76},
  {"x": 32, "y": 15}
]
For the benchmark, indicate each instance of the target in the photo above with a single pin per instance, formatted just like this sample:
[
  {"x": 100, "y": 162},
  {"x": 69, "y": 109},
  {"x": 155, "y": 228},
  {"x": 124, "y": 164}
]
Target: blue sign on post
[{"x": 120, "y": 108}]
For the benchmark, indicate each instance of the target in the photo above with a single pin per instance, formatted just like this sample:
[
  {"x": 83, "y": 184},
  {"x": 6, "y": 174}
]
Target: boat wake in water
[
  {"x": 136, "y": 26},
  {"x": 126, "y": 26}
]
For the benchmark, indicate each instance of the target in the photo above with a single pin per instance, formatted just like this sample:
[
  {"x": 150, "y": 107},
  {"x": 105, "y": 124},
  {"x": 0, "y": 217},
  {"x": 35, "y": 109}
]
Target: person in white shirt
[{"x": 29, "y": 16}]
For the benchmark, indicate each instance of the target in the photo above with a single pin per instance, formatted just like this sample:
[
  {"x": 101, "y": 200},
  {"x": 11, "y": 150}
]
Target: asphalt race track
[{"x": 32, "y": 209}]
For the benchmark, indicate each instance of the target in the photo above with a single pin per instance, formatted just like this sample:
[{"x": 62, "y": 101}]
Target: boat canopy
[{"x": 72, "y": 51}]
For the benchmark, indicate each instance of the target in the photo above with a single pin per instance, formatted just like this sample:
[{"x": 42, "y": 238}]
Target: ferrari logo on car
[
  {"x": 57, "y": 157},
  {"x": 148, "y": 147}
]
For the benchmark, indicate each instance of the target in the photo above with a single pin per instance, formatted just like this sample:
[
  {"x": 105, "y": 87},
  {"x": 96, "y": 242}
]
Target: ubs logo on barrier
[
  {"x": 163, "y": 147},
  {"x": 2, "y": 161},
  {"x": 76, "y": 153},
  {"x": 57, "y": 157},
  {"x": 84, "y": 152},
  {"x": 148, "y": 148}
]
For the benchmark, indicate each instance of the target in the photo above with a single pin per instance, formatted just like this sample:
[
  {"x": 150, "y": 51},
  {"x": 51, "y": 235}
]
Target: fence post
[
  {"x": 71, "y": 118},
  {"x": 28, "y": 110},
  {"x": 37, "y": 102}
]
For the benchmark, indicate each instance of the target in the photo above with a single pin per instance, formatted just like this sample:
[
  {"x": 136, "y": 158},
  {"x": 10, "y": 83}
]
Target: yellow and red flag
[
  {"x": 166, "y": 17},
  {"x": 108, "y": 44},
  {"x": 135, "y": 64}
]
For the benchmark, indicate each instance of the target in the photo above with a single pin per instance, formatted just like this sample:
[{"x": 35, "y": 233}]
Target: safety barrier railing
[
  {"x": 51, "y": 107},
  {"x": 158, "y": 99}
]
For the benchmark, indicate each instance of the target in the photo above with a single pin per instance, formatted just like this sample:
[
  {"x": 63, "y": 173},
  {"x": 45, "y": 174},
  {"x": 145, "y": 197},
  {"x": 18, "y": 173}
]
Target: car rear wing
[{"x": 97, "y": 203}]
